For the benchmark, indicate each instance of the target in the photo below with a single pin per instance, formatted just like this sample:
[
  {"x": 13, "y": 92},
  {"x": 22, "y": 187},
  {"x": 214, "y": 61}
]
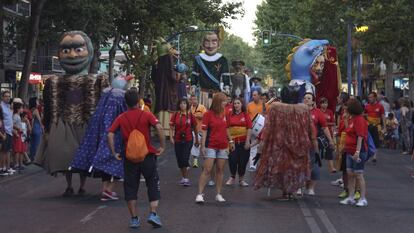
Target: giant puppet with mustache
[{"x": 69, "y": 102}]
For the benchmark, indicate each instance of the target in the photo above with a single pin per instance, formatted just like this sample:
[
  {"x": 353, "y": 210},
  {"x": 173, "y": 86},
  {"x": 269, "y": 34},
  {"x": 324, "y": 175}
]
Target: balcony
[
  {"x": 21, "y": 8},
  {"x": 13, "y": 57}
]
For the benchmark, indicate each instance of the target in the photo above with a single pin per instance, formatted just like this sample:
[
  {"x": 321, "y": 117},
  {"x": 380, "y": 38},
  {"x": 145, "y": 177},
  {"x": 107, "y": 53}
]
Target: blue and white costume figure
[
  {"x": 300, "y": 65},
  {"x": 94, "y": 154}
]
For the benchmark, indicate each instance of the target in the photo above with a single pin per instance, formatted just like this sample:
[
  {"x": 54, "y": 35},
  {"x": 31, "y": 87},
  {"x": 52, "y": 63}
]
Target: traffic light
[{"x": 266, "y": 37}]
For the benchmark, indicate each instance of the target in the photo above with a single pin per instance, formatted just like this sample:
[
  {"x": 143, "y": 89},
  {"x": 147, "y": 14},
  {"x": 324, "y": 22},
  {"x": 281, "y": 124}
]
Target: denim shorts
[
  {"x": 354, "y": 166},
  {"x": 217, "y": 153}
]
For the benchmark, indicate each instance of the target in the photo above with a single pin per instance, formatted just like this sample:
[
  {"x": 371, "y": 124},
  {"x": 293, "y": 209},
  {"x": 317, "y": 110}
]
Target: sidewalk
[{"x": 28, "y": 171}]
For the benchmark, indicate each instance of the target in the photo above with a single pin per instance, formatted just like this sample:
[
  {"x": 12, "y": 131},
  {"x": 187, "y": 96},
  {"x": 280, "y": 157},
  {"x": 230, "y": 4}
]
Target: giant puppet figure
[
  {"x": 164, "y": 77},
  {"x": 93, "y": 155},
  {"x": 210, "y": 71},
  {"x": 285, "y": 151},
  {"x": 239, "y": 81},
  {"x": 69, "y": 101}
]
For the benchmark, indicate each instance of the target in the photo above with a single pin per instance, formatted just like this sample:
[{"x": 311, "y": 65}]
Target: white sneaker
[
  {"x": 299, "y": 192},
  {"x": 220, "y": 198},
  {"x": 243, "y": 183},
  {"x": 252, "y": 168},
  {"x": 211, "y": 183},
  {"x": 200, "y": 198},
  {"x": 362, "y": 202},
  {"x": 337, "y": 182},
  {"x": 230, "y": 181},
  {"x": 348, "y": 201},
  {"x": 310, "y": 192},
  {"x": 342, "y": 186}
]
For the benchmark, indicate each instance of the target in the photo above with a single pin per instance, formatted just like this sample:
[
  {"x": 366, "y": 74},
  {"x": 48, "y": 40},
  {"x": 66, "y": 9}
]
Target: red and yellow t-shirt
[
  {"x": 330, "y": 120},
  {"x": 238, "y": 125},
  {"x": 216, "y": 127},
  {"x": 374, "y": 113}
]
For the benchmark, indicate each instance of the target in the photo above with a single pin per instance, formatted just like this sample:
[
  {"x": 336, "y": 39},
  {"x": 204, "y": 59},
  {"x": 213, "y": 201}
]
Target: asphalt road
[{"x": 32, "y": 202}]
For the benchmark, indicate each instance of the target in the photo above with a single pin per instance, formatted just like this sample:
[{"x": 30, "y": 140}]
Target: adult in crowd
[
  {"x": 198, "y": 111},
  {"x": 37, "y": 126},
  {"x": 214, "y": 146},
  {"x": 405, "y": 123},
  {"x": 256, "y": 106},
  {"x": 356, "y": 148},
  {"x": 328, "y": 152},
  {"x": 240, "y": 127},
  {"x": 324, "y": 141},
  {"x": 7, "y": 143},
  {"x": 137, "y": 119},
  {"x": 376, "y": 118},
  {"x": 182, "y": 129}
]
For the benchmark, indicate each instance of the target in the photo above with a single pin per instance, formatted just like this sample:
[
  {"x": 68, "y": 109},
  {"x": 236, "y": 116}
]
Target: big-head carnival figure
[
  {"x": 69, "y": 101},
  {"x": 210, "y": 71}
]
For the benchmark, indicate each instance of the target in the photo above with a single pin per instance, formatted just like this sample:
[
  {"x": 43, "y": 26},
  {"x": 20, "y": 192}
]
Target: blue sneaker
[
  {"x": 154, "y": 220},
  {"x": 134, "y": 223}
]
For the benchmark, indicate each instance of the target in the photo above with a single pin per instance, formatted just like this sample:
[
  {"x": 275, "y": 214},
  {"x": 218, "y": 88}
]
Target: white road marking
[
  {"x": 91, "y": 214},
  {"x": 310, "y": 220},
  {"x": 325, "y": 220}
]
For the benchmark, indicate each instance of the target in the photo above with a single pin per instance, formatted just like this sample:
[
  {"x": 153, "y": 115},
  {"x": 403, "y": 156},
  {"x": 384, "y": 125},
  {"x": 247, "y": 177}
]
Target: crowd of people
[{"x": 20, "y": 131}]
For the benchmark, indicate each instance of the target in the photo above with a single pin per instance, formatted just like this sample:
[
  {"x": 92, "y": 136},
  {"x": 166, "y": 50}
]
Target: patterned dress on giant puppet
[
  {"x": 94, "y": 154},
  {"x": 69, "y": 102}
]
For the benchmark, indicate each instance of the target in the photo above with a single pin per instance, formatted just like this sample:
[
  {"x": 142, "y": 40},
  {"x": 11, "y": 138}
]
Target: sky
[{"x": 243, "y": 27}]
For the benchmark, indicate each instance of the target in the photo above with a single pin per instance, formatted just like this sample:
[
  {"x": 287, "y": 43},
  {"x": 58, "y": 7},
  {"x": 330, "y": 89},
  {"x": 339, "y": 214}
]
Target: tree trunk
[
  {"x": 93, "y": 69},
  {"x": 389, "y": 82},
  {"x": 36, "y": 10},
  {"x": 410, "y": 72},
  {"x": 1, "y": 35},
  {"x": 112, "y": 53}
]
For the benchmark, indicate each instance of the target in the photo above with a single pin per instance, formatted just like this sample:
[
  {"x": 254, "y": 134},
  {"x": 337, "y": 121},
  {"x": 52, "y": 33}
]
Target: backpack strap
[
  {"x": 263, "y": 108},
  {"x": 130, "y": 124}
]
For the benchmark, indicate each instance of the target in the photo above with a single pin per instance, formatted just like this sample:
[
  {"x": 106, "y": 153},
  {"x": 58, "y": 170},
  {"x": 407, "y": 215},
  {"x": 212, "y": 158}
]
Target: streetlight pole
[
  {"x": 359, "y": 72},
  {"x": 349, "y": 57}
]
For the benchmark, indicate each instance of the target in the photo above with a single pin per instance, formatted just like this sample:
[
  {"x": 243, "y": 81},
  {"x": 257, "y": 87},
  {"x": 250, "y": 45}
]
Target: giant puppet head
[
  {"x": 306, "y": 64},
  {"x": 75, "y": 52},
  {"x": 211, "y": 41},
  {"x": 307, "y": 60}
]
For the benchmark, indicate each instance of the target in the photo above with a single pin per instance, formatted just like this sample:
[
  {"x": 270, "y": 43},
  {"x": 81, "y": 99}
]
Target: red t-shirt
[
  {"x": 135, "y": 119},
  {"x": 241, "y": 120},
  {"x": 329, "y": 117},
  {"x": 183, "y": 123},
  {"x": 374, "y": 110},
  {"x": 318, "y": 118},
  {"x": 216, "y": 127},
  {"x": 357, "y": 126},
  {"x": 228, "y": 109}
]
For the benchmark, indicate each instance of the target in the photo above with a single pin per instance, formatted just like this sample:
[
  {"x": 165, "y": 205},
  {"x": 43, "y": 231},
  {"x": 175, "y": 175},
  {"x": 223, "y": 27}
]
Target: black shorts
[
  {"x": 132, "y": 175},
  {"x": 7, "y": 144}
]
